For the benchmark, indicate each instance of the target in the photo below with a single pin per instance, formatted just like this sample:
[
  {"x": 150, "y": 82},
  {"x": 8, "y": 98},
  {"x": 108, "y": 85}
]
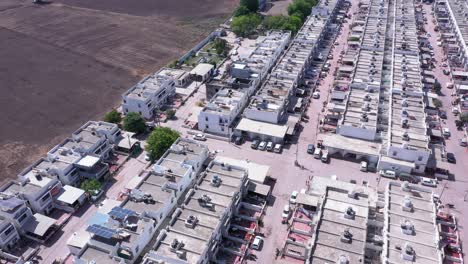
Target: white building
[
  {"x": 195, "y": 230},
  {"x": 148, "y": 95},
  {"x": 219, "y": 114},
  {"x": 9, "y": 236},
  {"x": 40, "y": 192}
]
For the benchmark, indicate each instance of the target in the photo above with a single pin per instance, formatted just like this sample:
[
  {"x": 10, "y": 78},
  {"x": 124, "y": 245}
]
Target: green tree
[
  {"x": 464, "y": 117},
  {"x": 221, "y": 46},
  {"x": 91, "y": 186},
  {"x": 251, "y": 5},
  {"x": 437, "y": 102},
  {"x": 159, "y": 141},
  {"x": 170, "y": 113},
  {"x": 245, "y": 25},
  {"x": 133, "y": 122},
  {"x": 301, "y": 8},
  {"x": 113, "y": 117},
  {"x": 241, "y": 11},
  {"x": 274, "y": 22}
]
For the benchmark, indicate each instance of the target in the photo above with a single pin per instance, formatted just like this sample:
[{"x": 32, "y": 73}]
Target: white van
[
  {"x": 325, "y": 158},
  {"x": 363, "y": 166},
  {"x": 388, "y": 174},
  {"x": 277, "y": 148},
  {"x": 317, "y": 153},
  {"x": 269, "y": 146}
]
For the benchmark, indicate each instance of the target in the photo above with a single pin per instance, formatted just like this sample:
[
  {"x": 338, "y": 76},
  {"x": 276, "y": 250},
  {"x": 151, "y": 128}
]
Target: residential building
[
  {"x": 9, "y": 236},
  {"x": 119, "y": 238},
  {"x": 231, "y": 94},
  {"x": 148, "y": 95},
  {"x": 36, "y": 226},
  {"x": 38, "y": 191},
  {"x": 277, "y": 95},
  {"x": 181, "y": 78},
  {"x": 195, "y": 229},
  {"x": 156, "y": 196}
]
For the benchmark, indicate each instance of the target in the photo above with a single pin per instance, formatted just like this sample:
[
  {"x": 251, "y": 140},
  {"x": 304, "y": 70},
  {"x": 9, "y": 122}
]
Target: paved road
[{"x": 455, "y": 191}]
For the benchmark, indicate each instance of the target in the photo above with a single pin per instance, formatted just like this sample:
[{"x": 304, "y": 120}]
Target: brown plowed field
[{"x": 69, "y": 61}]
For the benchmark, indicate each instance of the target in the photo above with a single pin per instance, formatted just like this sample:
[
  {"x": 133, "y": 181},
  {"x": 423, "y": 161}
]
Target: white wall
[{"x": 357, "y": 132}]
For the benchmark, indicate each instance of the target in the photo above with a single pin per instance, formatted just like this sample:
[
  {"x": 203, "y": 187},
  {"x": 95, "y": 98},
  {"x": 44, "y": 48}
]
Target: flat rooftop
[
  {"x": 332, "y": 224},
  {"x": 207, "y": 203},
  {"x": 421, "y": 218}
]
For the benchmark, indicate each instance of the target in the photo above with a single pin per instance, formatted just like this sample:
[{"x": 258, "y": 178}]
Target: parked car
[
  {"x": 443, "y": 114},
  {"x": 200, "y": 137},
  {"x": 428, "y": 182},
  {"x": 451, "y": 157},
  {"x": 286, "y": 212},
  {"x": 388, "y": 174},
  {"x": 269, "y": 146},
  {"x": 255, "y": 144},
  {"x": 310, "y": 148},
  {"x": 317, "y": 153},
  {"x": 364, "y": 166},
  {"x": 407, "y": 177},
  {"x": 257, "y": 243},
  {"x": 446, "y": 132},
  {"x": 293, "y": 197},
  {"x": 455, "y": 110},
  {"x": 96, "y": 195},
  {"x": 325, "y": 158},
  {"x": 262, "y": 145},
  {"x": 147, "y": 156},
  {"x": 463, "y": 142},
  {"x": 449, "y": 85},
  {"x": 238, "y": 140},
  {"x": 316, "y": 95},
  {"x": 446, "y": 72},
  {"x": 278, "y": 148}
]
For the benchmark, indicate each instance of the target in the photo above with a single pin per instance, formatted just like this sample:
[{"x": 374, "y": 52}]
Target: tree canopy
[
  {"x": 241, "y": 11},
  {"x": 91, "y": 186},
  {"x": 221, "y": 46},
  {"x": 251, "y": 5},
  {"x": 113, "y": 117},
  {"x": 245, "y": 25},
  {"x": 292, "y": 23},
  {"x": 301, "y": 8},
  {"x": 133, "y": 122},
  {"x": 159, "y": 141}
]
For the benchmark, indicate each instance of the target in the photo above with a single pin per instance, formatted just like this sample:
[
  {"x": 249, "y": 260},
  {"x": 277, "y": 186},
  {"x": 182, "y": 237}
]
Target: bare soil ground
[{"x": 69, "y": 61}]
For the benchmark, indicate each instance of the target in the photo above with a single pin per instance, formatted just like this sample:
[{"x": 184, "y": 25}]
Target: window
[
  {"x": 22, "y": 217},
  {"x": 125, "y": 101},
  {"x": 206, "y": 119},
  {"x": 8, "y": 231},
  {"x": 420, "y": 158},
  {"x": 222, "y": 128},
  {"x": 139, "y": 112},
  {"x": 394, "y": 153},
  {"x": 45, "y": 197},
  {"x": 417, "y": 167},
  {"x": 139, "y": 105},
  {"x": 207, "y": 126}
]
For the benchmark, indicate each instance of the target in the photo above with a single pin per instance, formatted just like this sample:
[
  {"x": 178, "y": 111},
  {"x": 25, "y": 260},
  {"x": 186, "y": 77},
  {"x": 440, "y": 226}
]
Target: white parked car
[
  {"x": 200, "y": 137},
  {"x": 446, "y": 132},
  {"x": 293, "y": 197},
  {"x": 428, "y": 182},
  {"x": 262, "y": 145},
  {"x": 316, "y": 95},
  {"x": 147, "y": 156},
  {"x": 257, "y": 243},
  {"x": 388, "y": 174},
  {"x": 286, "y": 212}
]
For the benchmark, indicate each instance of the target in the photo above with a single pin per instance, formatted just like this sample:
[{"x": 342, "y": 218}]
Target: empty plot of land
[{"x": 69, "y": 61}]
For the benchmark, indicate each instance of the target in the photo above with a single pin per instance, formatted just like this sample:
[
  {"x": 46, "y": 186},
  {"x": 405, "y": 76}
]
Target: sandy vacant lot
[{"x": 69, "y": 61}]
